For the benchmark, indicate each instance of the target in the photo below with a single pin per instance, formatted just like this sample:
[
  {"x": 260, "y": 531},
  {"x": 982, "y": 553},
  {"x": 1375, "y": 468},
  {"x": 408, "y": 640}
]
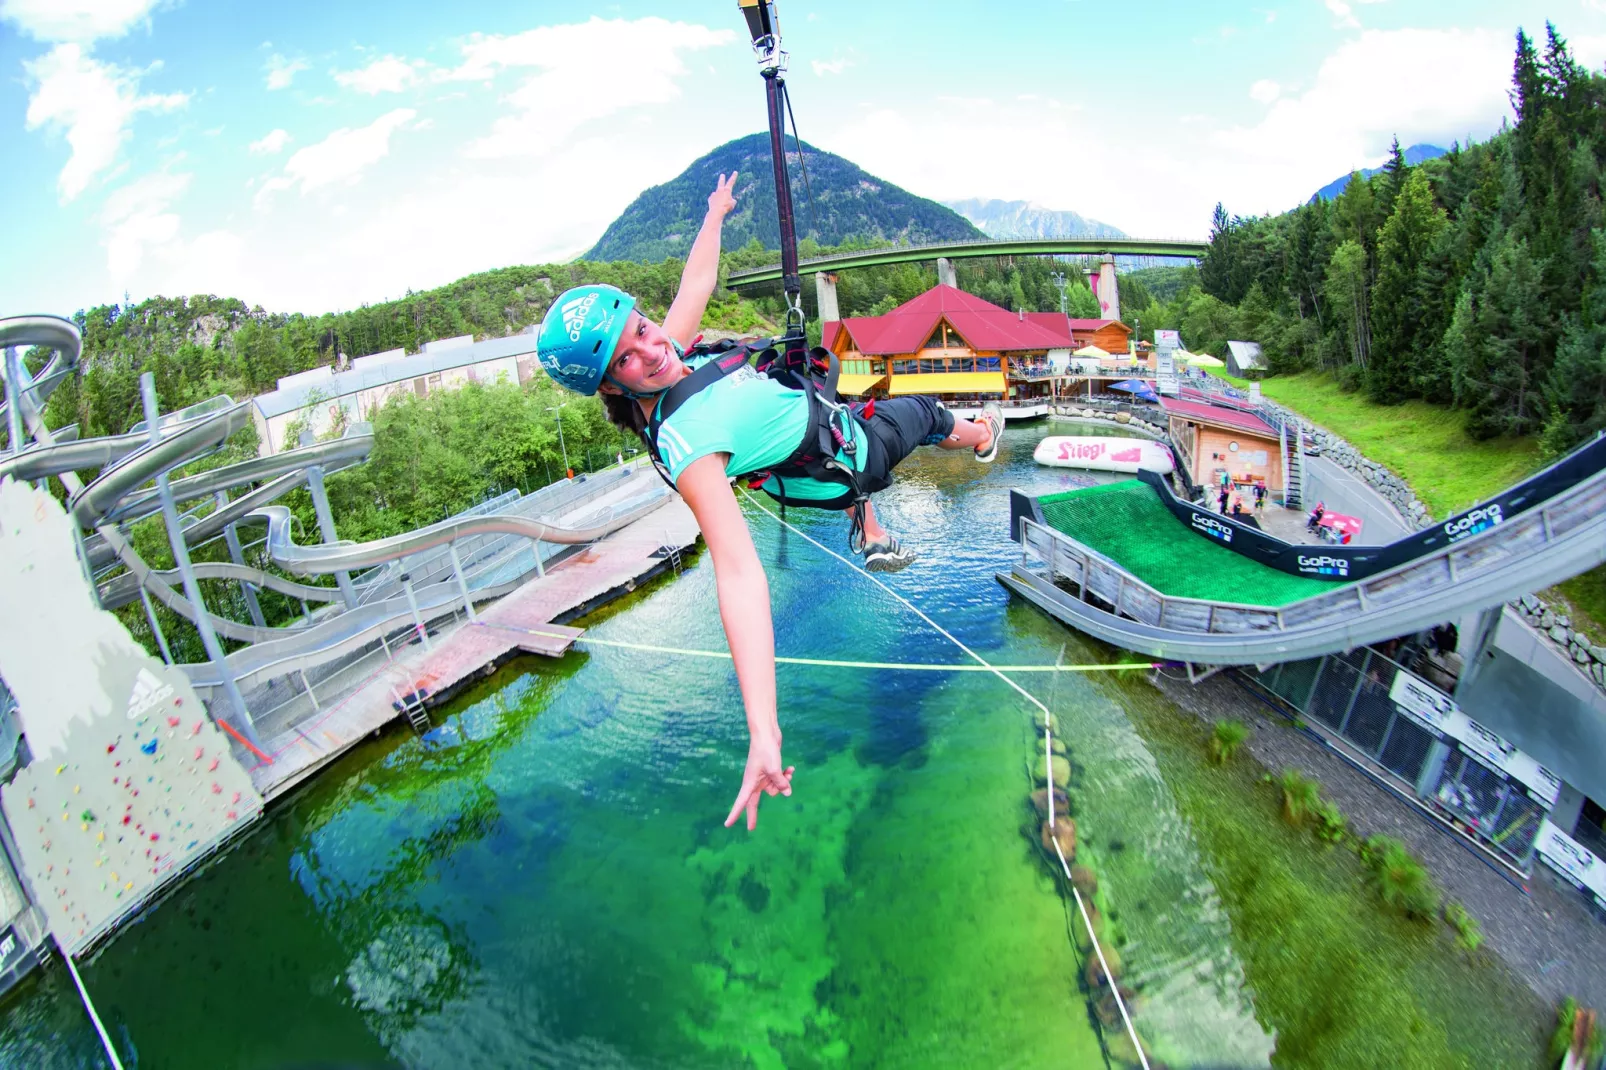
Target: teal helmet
[{"x": 579, "y": 333}]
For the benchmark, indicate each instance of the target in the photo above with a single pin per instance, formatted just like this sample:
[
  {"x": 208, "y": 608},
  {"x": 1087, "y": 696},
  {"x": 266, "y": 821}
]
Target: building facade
[
  {"x": 1212, "y": 439},
  {"x": 322, "y": 398}
]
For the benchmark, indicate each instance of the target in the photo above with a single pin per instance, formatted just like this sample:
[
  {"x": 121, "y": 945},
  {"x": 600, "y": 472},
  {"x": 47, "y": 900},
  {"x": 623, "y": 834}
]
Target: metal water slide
[
  {"x": 129, "y": 462},
  {"x": 1551, "y": 541}
]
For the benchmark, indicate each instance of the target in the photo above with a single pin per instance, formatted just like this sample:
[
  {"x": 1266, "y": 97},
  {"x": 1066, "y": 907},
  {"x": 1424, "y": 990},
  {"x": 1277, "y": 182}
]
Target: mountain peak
[
  {"x": 846, "y": 202},
  {"x": 1028, "y": 219},
  {"x": 1414, "y": 155}
]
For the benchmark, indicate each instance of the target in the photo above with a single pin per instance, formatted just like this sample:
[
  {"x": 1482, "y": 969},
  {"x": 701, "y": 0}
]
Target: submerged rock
[
  {"x": 1062, "y": 804},
  {"x": 1062, "y": 831},
  {"x": 1085, "y": 881}
]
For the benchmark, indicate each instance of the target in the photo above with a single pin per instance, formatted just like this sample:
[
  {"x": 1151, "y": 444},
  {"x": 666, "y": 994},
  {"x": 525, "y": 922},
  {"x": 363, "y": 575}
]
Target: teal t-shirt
[{"x": 756, "y": 420}]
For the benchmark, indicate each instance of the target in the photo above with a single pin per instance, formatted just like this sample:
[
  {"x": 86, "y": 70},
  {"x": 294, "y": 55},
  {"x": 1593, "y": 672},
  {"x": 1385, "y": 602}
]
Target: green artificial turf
[{"x": 1128, "y": 523}]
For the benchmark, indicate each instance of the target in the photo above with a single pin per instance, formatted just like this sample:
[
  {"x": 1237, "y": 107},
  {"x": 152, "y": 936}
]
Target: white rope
[
  {"x": 1115, "y": 989},
  {"x": 83, "y": 993}
]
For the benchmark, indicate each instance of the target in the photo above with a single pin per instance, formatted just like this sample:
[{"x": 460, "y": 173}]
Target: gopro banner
[{"x": 1345, "y": 563}]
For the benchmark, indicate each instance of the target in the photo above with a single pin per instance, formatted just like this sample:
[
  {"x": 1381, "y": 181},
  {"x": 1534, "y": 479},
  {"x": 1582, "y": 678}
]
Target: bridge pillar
[
  {"x": 1107, "y": 293},
  {"x": 945, "y": 273},
  {"x": 825, "y": 294}
]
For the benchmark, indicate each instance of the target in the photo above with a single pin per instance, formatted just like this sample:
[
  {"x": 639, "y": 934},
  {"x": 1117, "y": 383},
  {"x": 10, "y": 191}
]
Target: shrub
[
  {"x": 1331, "y": 827},
  {"x": 1225, "y": 739},
  {"x": 1468, "y": 933},
  {"x": 1301, "y": 795},
  {"x": 1401, "y": 881},
  {"x": 1576, "y": 1030}
]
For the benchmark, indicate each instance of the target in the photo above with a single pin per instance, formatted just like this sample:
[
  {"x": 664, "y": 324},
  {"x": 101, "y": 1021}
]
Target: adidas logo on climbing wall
[{"x": 149, "y": 692}]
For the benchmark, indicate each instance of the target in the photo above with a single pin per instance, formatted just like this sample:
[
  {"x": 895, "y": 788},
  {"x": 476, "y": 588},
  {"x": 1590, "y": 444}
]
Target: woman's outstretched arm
[
  {"x": 744, "y": 608},
  {"x": 697, "y": 282}
]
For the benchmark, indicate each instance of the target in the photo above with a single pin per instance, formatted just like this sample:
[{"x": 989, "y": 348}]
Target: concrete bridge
[{"x": 992, "y": 247}]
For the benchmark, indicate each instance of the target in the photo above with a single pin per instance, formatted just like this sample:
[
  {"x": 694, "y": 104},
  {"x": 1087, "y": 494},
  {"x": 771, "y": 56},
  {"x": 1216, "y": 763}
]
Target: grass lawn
[{"x": 1427, "y": 446}]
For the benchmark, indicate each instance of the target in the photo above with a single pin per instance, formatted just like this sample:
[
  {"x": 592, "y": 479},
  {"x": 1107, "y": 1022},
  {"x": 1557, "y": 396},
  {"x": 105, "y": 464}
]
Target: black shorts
[{"x": 895, "y": 428}]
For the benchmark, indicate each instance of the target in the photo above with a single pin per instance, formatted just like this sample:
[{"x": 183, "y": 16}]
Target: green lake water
[{"x": 545, "y": 880}]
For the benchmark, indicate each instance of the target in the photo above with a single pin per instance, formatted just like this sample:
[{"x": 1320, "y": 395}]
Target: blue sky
[{"x": 315, "y": 156}]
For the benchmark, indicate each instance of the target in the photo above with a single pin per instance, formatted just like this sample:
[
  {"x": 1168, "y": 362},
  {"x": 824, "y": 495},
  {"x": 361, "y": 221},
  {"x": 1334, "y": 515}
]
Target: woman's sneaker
[
  {"x": 992, "y": 418},
  {"x": 888, "y": 555}
]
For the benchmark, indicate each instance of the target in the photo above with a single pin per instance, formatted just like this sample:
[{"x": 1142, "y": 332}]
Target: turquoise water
[{"x": 545, "y": 881}]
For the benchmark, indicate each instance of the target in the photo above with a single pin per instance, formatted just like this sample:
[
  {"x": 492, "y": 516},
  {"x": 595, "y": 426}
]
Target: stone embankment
[{"x": 1556, "y": 626}]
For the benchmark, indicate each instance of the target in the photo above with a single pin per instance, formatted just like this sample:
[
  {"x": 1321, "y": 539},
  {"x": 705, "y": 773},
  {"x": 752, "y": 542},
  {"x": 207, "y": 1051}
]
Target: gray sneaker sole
[{"x": 888, "y": 562}]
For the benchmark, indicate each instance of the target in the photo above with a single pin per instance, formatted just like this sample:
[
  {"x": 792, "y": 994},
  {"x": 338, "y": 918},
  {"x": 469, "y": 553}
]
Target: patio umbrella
[
  {"x": 1091, "y": 351},
  {"x": 1205, "y": 360},
  {"x": 1136, "y": 387}
]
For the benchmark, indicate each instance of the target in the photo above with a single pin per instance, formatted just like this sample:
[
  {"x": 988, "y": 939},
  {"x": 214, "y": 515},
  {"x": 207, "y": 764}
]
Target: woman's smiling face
[{"x": 644, "y": 361}]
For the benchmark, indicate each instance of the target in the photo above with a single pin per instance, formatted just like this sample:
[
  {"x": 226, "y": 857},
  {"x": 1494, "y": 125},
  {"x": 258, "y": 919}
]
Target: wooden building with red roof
[
  {"x": 1211, "y": 439},
  {"x": 952, "y": 344}
]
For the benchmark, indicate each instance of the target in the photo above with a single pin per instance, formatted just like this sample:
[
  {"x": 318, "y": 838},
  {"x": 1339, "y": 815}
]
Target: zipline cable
[
  {"x": 83, "y": 994},
  {"x": 1115, "y": 989},
  {"x": 827, "y": 663}
]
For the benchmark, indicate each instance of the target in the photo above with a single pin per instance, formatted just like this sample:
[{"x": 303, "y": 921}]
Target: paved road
[{"x": 1345, "y": 492}]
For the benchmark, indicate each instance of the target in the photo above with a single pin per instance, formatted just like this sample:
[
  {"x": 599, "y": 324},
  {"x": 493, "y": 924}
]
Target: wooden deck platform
[{"x": 600, "y": 573}]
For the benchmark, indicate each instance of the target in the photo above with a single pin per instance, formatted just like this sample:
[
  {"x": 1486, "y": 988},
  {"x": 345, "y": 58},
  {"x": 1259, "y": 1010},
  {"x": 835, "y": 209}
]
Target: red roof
[
  {"x": 1093, "y": 325},
  {"x": 982, "y": 324},
  {"x": 1216, "y": 414}
]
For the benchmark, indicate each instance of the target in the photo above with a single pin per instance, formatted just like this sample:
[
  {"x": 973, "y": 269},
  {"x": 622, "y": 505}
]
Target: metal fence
[{"x": 1348, "y": 694}]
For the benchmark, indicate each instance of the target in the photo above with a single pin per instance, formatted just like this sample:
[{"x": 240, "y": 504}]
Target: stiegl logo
[
  {"x": 1326, "y": 566},
  {"x": 1475, "y": 521},
  {"x": 1214, "y": 528},
  {"x": 149, "y": 692},
  {"x": 574, "y": 314}
]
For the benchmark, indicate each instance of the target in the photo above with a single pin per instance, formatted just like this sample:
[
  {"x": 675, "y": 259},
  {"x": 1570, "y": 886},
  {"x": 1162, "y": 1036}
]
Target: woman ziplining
[{"x": 705, "y": 415}]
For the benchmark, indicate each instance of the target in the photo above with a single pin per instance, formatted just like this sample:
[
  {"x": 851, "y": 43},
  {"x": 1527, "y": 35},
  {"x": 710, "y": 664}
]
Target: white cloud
[
  {"x": 270, "y": 143},
  {"x": 1443, "y": 84},
  {"x": 825, "y": 67},
  {"x": 342, "y": 157},
  {"x": 571, "y": 88},
  {"x": 80, "y": 21},
  {"x": 1343, "y": 13},
  {"x": 136, "y": 216},
  {"x": 94, "y": 102},
  {"x": 387, "y": 75},
  {"x": 281, "y": 71},
  {"x": 1265, "y": 91}
]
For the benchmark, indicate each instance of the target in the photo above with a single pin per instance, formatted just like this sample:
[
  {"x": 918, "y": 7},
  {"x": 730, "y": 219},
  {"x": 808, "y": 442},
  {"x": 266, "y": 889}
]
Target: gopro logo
[
  {"x": 1213, "y": 528},
  {"x": 1480, "y": 519},
  {"x": 1323, "y": 565}
]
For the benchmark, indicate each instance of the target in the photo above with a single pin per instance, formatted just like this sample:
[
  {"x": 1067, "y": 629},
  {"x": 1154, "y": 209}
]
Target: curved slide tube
[
  {"x": 1545, "y": 544},
  {"x": 124, "y": 589},
  {"x": 70, "y": 455},
  {"x": 197, "y": 438},
  {"x": 352, "y": 447},
  {"x": 53, "y": 331},
  {"x": 346, "y": 556}
]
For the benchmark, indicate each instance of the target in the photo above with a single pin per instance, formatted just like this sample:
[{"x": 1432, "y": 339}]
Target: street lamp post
[{"x": 561, "y": 446}]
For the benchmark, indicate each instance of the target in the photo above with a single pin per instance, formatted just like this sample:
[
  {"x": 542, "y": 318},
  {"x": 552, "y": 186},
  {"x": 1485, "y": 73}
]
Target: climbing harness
[{"x": 833, "y": 428}]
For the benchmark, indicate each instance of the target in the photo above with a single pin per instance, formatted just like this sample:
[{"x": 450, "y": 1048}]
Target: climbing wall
[{"x": 131, "y": 782}]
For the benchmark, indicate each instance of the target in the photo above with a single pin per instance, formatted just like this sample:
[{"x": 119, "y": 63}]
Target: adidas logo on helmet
[{"x": 574, "y": 314}]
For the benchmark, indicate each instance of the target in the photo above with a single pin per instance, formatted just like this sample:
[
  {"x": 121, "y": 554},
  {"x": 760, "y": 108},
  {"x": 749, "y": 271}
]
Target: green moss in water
[{"x": 1343, "y": 981}]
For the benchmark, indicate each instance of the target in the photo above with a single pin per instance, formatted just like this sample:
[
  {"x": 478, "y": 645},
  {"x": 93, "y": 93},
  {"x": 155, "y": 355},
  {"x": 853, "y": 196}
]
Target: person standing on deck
[{"x": 594, "y": 340}]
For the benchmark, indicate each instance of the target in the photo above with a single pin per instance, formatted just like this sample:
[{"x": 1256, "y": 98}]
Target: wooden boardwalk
[{"x": 602, "y": 572}]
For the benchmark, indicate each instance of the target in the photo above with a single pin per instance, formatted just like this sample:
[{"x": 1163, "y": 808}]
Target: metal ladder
[{"x": 412, "y": 707}]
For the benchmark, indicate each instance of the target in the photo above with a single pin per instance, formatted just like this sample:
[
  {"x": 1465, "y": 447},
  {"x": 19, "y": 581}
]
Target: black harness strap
[{"x": 813, "y": 372}]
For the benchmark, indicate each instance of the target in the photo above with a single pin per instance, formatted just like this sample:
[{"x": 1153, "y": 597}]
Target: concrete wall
[{"x": 1528, "y": 691}]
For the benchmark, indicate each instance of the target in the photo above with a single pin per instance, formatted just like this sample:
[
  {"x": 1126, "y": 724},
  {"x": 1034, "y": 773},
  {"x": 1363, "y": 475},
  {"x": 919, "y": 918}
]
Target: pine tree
[
  {"x": 1494, "y": 345},
  {"x": 1403, "y": 326}
]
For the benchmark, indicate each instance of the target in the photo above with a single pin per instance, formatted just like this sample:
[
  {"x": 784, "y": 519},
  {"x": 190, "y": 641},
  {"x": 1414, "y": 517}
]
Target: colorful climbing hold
[
  {"x": 149, "y": 747},
  {"x": 200, "y": 752},
  {"x": 213, "y": 767},
  {"x": 172, "y": 722},
  {"x": 59, "y": 768},
  {"x": 110, "y": 747}
]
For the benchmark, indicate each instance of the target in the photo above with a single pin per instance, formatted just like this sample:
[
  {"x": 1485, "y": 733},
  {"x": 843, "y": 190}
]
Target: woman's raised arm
[{"x": 697, "y": 282}]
